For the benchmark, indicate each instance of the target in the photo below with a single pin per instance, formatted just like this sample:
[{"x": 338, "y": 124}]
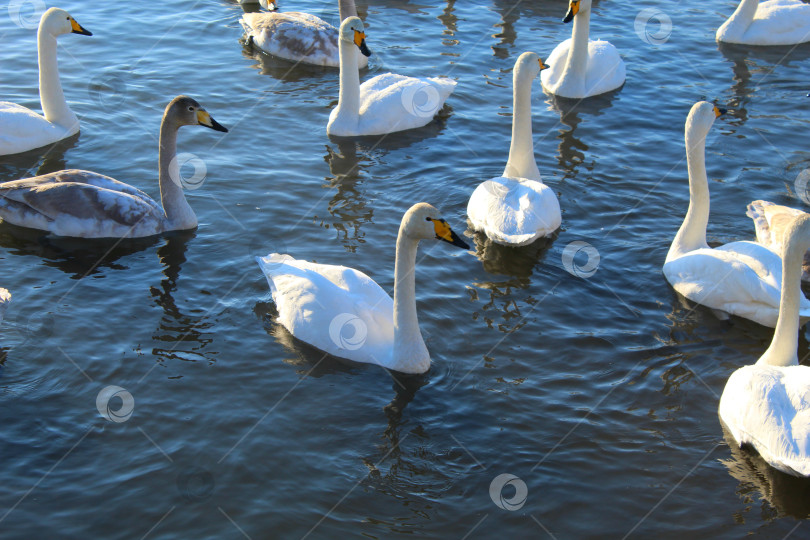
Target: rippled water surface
[{"x": 598, "y": 393}]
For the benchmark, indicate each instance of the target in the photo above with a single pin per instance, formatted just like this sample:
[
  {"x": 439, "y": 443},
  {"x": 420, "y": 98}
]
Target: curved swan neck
[
  {"x": 410, "y": 352},
  {"x": 578, "y": 55},
  {"x": 692, "y": 234},
  {"x": 349, "y": 97},
  {"x": 346, "y": 9},
  {"x": 54, "y": 107},
  {"x": 742, "y": 17},
  {"x": 521, "y": 161},
  {"x": 178, "y": 212},
  {"x": 783, "y": 350}
]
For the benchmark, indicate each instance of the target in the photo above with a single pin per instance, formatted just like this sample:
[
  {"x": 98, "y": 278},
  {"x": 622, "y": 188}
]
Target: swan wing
[
  {"x": 514, "y": 211},
  {"x": 742, "y": 278},
  {"x": 80, "y": 203},
  {"x": 769, "y": 408},
  {"x": 299, "y": 37},
  {"x": 776, "y": 22},
  {"x": 337, "y": 309},
  {"x": 605, "y": 71},
  {"x": 21, "y": 129},
  {"x": 391, "y": 102}
]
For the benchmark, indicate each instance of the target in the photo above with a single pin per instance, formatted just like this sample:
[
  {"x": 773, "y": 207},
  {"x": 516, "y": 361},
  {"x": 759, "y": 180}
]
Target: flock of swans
[{"x": 766, "y": 405}]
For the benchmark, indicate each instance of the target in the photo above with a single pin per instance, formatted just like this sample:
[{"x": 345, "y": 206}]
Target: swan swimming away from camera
[
  {"x": 775, "y": 22},
  {"x": 21, "y": 129},
  {"x": 767, "y": 405},
  {"x": 385, "y": 103},
  {"x": 90, "y": 205},
  {"x": 517, "y": 208},
  {"x": 581, "y": 67},
  {"x": 740, "y": 278},
  {"x": 343, "y": 312},
  {"x": 298, "y": 37}
]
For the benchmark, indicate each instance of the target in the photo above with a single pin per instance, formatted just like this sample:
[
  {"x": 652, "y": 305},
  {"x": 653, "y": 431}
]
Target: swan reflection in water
[
  {"x": 788, "y": 495},
  {"x": 571, "y": 149},
  {"x": 310, "y": 361}
]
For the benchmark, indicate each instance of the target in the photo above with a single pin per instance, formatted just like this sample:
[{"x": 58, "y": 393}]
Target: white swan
[
  {"x": 741, "y": 278},
  {"x": 21, "y": 129},
  {"x": 299, "y": 37},
  {"x": 580, "y": 67},
  {"x": 775, "y": 22},
  {"x": 345, "y": 313},
  {"x": 90, "y": 205},
  {"x": 385, "y": 103},
  {"x": 770, "y": 222},
  {"x": 517, "y": 208},
  {"x": 5, "y": 299},
  {"x": 767, "y": 405}
]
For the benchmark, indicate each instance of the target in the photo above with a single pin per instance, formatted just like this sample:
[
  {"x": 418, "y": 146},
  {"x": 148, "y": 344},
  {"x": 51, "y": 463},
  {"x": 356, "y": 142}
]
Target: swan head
[
  {"x": 57, "y": 21},
  {"x": 702, "y": 116},
  {"x": 353, "y": 31},
  {"x": 424, "y": 222},
  {"x": 185, "y": 111},
  {"x": 530, "y": 64},
  {"x": 575, "y": 7}
]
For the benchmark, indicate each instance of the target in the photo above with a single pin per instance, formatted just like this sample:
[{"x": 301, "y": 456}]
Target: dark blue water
[{"x": 598, "y": 393}]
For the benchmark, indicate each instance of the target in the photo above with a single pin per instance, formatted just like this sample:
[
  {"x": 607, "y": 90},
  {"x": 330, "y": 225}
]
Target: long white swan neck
[
  {"x": 347, "y": 9},
  {"x": 349, "y": 96},
  {"x": 578, "y": 55},
  {"x": 783, "y": 350},
  {"x": 521, "y": 161},
  {"x": 178, "y": 212},
  {"x": 741, "y": 19},
  {"x": 692, "y": 234},
  {"x": 54, "y": 107},
  {"x": 410, "y": 352}
]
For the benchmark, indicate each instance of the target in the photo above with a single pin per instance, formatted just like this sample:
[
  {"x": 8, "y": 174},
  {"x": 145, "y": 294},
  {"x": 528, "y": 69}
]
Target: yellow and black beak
[
  {"x": 360, "y": 41},
  {"x": 542, "y": 65},
  {"x": 718, "y": 112},
  {"x": 76, "y": 28},
  {"x": 444, "y": 232},
  {"x": 573, "y": 9},
  {"x": 204, "y": 119}
]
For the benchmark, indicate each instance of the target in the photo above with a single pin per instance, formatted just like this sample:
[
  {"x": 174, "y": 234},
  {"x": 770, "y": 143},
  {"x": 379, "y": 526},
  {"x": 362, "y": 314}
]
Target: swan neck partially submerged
[
  {"x": 521, "y": 163},
  {"x": 783, "y": 350},
  {"x": 578, "y": 54},
  {"x": 346, "y": 9},
  {"x": 178, "y": 212},
  {"x": 692, "y": 234},
  {"x": 410, "y": 353},
  {"x": 349, "y": 97},
  {"x": 54, "y": 107}
]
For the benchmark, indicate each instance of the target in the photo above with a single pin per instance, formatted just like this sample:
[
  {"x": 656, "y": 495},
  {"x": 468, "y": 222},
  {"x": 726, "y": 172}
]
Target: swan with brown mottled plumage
[{"x": 86, "y": 204}]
